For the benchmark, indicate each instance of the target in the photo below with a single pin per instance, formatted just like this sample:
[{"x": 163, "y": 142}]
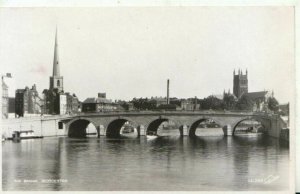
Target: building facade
[
  {"x": 11, "y": 105},
  {"x": 21, "y": 102},
  {"x": 240, "y": 83},
  {"x": 73, "y": 104},
  {"x": 27, "y": 101},
  {"x": 4, "y": 100},
  {"x": 98, "y": 104},
  {"x": 158, "y": 101},
  {"x": 259, "y": 99},
  {"x": 190, "y": 104},
  {"x": 51, "y": 101}
]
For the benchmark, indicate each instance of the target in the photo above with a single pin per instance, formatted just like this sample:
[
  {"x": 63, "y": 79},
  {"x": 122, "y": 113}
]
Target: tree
[
  {"x": 211, "y": 102},
  {"x": 229, "y": 102},
  {"x": 124, "y": 105},
  {"x": 273, "y": 104},
  {"x": 143, "y": 104},
  {"x": 244, "y": 103}
]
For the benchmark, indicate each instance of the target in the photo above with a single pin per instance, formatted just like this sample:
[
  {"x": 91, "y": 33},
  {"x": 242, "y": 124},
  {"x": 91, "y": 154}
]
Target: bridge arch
[
  {"x": 114, "y": 127},
  {"x": 77, "y": 127},
  {"x": 194, "y": 125},
  {"x": 153, "y": 126},
  {"x": 262, "y": 121}
]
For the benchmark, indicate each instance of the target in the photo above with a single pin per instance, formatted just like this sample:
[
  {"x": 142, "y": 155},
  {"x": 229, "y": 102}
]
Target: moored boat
[
  {"x": 151, "y": 135},
  {"x": 249, "y": 134},
  {"x": 28, "y": 134},
  {"x": 128, "y": 129}
]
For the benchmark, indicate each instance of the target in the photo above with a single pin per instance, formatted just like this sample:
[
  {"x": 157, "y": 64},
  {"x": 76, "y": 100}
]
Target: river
[{"x": 215, "y": 163}]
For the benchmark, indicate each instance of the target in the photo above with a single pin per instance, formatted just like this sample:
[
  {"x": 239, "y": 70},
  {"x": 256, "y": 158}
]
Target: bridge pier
[
  {"x": 183, "y": 130},
  {"x": 276, "y": 127},
  {"x": 227, "y": 130},
  {"x": 141, "y": 130},
  {"x": 98, "y": 131},
  {"x": 101, "y": 130}
]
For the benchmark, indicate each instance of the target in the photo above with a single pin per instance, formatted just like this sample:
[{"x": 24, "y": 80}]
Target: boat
[
  {"x": 250, "y": 131},
  {"x": 249, "y": 134},
  {"x": 151, "y": 135},
  {"x": 18, "y": 135},
  {"x": 128, "y": 129}
]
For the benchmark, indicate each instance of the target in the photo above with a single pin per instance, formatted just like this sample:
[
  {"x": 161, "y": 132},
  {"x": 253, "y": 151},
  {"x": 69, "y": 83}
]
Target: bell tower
[
  {"x": 240, "y": 83},
  {"x": 56, "y": 81}
]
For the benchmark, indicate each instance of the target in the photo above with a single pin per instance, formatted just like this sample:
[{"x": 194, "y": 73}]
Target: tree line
[{"x": 229, "y": 102}]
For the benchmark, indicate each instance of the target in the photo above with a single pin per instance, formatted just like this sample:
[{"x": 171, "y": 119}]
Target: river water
[{"x": 166, "y": 163}]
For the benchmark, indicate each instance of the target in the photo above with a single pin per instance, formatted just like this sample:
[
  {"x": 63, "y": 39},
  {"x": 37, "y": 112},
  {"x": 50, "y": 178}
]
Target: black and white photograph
[{"x": 148, "y": 98}]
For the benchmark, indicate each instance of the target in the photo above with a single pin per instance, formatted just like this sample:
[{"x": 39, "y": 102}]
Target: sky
[{"x": 130, "y": 52}]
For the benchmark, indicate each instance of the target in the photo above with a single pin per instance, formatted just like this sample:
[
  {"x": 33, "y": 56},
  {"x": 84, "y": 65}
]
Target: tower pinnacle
[{"x": 240, "y": 83}]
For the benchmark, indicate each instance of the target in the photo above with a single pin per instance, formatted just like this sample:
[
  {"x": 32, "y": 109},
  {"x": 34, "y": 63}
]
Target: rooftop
[
  {"x": 255, "y": 95},
  {"x": 97, "y": 100}
]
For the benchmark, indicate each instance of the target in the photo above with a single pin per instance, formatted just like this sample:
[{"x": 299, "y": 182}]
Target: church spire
[
  {"x": 56, "y": 71},
  {"x": 56, "y": 80}
]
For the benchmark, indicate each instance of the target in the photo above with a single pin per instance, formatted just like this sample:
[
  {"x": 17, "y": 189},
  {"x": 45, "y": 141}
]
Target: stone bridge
[{"x": 110, "y": 124}]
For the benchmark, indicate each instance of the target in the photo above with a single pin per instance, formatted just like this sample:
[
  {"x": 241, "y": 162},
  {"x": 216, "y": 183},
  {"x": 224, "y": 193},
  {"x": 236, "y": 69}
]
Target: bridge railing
[
  {"x": 172, "y": 111},
  {"x": 267, "y": 114}
]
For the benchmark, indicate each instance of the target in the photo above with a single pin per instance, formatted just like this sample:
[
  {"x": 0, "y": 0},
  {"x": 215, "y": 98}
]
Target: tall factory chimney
[{"x": 168, "y": 87}]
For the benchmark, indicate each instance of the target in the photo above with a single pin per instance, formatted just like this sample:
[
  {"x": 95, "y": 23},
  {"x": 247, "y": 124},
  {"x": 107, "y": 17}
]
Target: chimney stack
[
  {"x": 168, "y": 85},
  {"x": 102, "y": 95}
]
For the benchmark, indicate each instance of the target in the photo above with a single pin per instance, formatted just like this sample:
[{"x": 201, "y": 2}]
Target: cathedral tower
[
  {"x": 56, "y": 81},
  {"x": 240, "y": 83}
]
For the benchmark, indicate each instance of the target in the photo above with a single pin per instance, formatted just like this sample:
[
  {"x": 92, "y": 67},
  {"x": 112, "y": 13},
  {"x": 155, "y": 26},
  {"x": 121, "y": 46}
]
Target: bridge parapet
[{"x": 184, "y": 120}]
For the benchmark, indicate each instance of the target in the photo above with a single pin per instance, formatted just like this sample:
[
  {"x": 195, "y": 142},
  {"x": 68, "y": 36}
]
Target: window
[
  {"x": 60, "y": 125},
  {"x": 58, "y": 83}
]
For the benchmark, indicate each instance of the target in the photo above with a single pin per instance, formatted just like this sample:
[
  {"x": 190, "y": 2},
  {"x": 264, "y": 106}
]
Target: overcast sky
[{"x": 130, "y": 52}]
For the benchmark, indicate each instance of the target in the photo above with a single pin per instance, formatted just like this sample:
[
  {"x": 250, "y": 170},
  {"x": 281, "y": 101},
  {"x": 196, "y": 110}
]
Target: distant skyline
[{"x": 131, "y": 52}]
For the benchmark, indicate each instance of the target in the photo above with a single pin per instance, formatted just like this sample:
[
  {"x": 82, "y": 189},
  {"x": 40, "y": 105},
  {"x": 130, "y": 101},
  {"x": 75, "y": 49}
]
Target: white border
[{"x": 295, "y": 120}]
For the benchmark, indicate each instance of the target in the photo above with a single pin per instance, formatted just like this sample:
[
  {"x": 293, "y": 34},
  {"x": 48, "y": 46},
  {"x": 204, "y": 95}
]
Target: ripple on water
[{"x": 202, "y": 163}]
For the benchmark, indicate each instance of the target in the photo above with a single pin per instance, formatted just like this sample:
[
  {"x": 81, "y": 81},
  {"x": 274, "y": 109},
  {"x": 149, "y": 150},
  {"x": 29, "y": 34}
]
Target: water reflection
[{"x": 164, "y": 163}]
